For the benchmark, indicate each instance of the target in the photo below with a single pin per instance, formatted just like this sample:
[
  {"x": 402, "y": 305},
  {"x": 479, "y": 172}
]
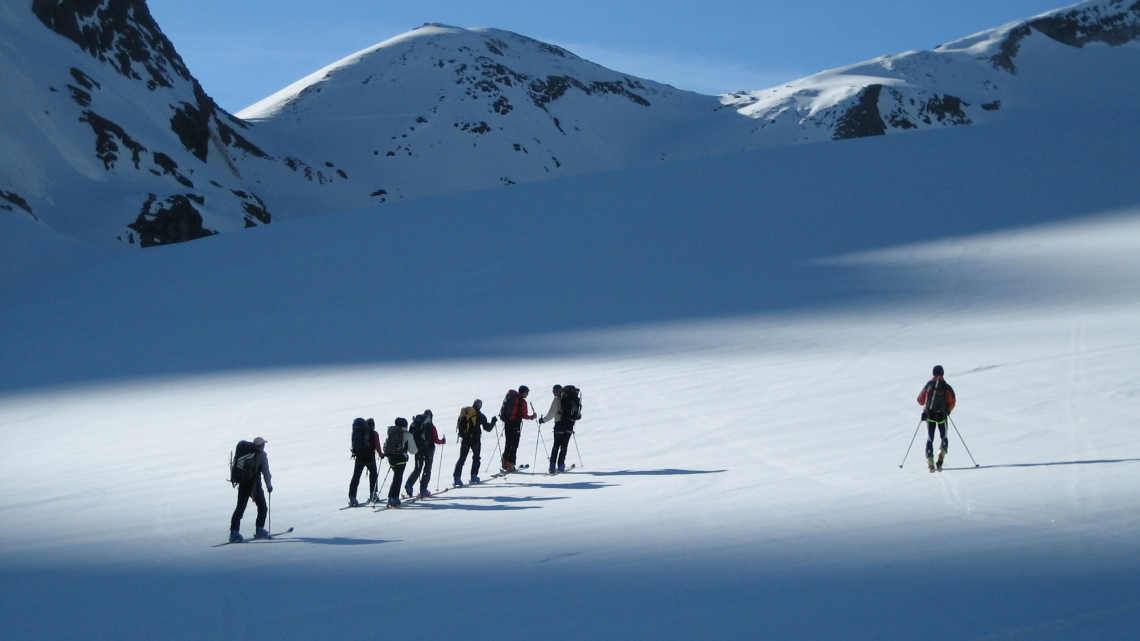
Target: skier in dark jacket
[
  {"x": 365, "y": 458},
  {"x": 471, "y": 419},
  {"x": 397, "y": 447},
  {"x": 937, "y": 400},
  {"x": 426, "y": 437},
  {"x": 512, "y": 426},
  {"x": 252, "y": 487},
  {"x": 563, "y": 430}
]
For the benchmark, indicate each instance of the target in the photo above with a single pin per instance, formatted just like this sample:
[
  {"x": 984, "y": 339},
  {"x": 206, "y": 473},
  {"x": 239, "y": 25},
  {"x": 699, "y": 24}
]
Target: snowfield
[{"x": 749, "y": 368}]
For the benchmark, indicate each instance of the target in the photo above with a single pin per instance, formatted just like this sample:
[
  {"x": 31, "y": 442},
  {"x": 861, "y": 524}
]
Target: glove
[
  {"x": 494, "y": 420},
  {"x": 270, "y": 488},
  {"x": 924, "y": 415},
  {"x": 541, "y": 420},
  {"x": 445, "y": 440}
]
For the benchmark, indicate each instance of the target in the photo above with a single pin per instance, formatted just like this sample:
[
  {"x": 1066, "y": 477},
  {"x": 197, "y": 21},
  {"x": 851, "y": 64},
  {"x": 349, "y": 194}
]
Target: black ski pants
[
  {"x": 930, "y": 427},
  {"x": 512, "y": 430},
  {"x": 423, "y": 465},
  {"x": 363, "y": 461},
  {"x": 398, "y": 463},
  {"x": 563, "y": 430},
  {"x": 247, "y": 489},
  {"x": 473, "y": 445}
]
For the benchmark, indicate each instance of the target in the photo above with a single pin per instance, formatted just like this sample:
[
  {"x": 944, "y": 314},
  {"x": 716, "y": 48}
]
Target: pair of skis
[
  {"x": 556, "y": 472},
  {"x": 409, "y": 500},
  {"x": 254, "y": 540}
]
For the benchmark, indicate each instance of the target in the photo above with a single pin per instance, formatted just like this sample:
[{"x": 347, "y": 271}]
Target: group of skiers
[{"x": 416, "y": 443}]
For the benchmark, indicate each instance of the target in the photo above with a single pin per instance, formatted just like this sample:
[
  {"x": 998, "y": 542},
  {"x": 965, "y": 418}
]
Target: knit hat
[
  {"x": 938, "y": 371},
  {"x": 523, "y": 388},
  {"x": 401, "y": 422}
]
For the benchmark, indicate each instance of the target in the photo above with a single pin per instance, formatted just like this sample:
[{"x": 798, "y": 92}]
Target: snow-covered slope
[
  {"x": 442, "y": 109},
  {"x": 974, "y": 80},
  {"x": 107, "y": 137}
]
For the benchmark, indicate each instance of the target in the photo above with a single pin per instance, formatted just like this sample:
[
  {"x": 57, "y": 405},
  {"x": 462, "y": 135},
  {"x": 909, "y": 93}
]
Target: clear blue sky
[{"x": 244, "y": 50}]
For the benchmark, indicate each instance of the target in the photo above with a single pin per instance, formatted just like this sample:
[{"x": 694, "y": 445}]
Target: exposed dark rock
[
  {"x": 863, "y": 118},
  {"x": 121, "y": 33},
  {"x": 16, "y": 200},
  {"x": 502, "y": 106},
  {"x": 231, "y": 138},
  {"x": 379, "y": 192},
  {"x": 173, "y": 220},
  {"x": 84, "y": 80},
  {"x": 340, "y": 172},
  {"x": 945, "y": 108},
  {"x": 544, "y": 92},
  {"x": 254, "y": 208},
  {"x": 170, "y": 167},
  {"x": 1080, "y": 27},
  {"x": 1076, "y": 28},
  {"x": 192, "y": 125},
  {"x": 81, "y": 97},
  {"x": 992, "y": 106},
  {"x": 1009, "y": 48},
  {"x": 105, "y": 134}
]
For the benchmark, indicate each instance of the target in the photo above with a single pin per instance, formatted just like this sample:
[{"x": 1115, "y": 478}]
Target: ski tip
[{"x": 976, "y": 465}]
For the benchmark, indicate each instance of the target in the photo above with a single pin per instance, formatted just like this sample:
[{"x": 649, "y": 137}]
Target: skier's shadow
[
  {"x": 498, "y": 500},
  {"x": 666, "y": 472},
  {"x": 336, "y": 540},
  {"x": 1093, "y": 462}
]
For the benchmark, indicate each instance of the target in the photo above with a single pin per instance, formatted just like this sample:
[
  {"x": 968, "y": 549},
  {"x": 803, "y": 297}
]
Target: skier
[
  {"x": 937, "y": 400},
  {"x": 426, "y": 438},
  {"x": 563, "y": 429},
  {"x": 513, "y": 412},
  {"x": 250, "y": 485},
  {"x": 470, "y": 420},
  {"x": 397, "y": 447},
  {"x": 365, "y": 447}
]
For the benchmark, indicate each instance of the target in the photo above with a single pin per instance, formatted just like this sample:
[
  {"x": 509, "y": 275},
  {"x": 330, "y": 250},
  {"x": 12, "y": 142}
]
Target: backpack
[
  {"x": 394, "y": 445},
  {"x": 243, "y": 463},
  {"x": 510, "y": 404},
  {"x": 936, "y": 399},
  {"x": 361, "y": 437},
  {"x": 571, "y": 403},
  {"x": 467, "y": 425},
  {"x": 421, "y": 431}
]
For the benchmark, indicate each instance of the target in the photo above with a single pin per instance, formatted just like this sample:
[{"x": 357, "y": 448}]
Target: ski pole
[
  {"x": 386, "y": 472},
  {"x": 541, "y": 438},
  {"x": 493, "y": 454},
  {"x": 963, "y": 440},
  {"x": 269, "y": 513},
  {"x": 911, "y": 442},
  {"x": 575, "y": 437},
  {"x": 439, "y": 469}
]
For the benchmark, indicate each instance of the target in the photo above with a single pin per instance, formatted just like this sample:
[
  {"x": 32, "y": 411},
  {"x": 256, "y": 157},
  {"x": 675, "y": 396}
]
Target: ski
[
  {"x": 497, "y": 475},
  {"x": 556, "y": 473},
  {"x": 271, "y": 536},
  {"x": 364, "y": 504},
  {"x": 409, "y": 500}
]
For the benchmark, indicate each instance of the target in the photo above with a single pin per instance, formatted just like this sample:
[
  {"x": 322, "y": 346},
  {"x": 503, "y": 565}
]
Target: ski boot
[
  {"x": 424, "y": 494},
  {"x": 552, "y": 468},
  {"x": 938, "y": 464},
  {"x": 458, "y": 481},
  {"x": 393, "y": 502},
  {"x": 235, "y": 537},
  {"x": 561, "y": 469},
  {"x": 352, "y": 502},
  {"x": 261, "y": 533},
  {"x": 408, "y": 489},
  {"x": 475, "y": 480},
  {"x": 930, "y": 464}
]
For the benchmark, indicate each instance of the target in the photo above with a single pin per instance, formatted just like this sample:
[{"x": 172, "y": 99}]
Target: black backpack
[
  {"x": 394, "y": 445},
  {"x": 243, "y": 463},
  {"x": 936, "y": 399},
  {"x": 361, "y": 437},
  {"x": 571, "y": 403},
  {"x": 509, "y": 403},
  {"x": 421, "y": 431}
]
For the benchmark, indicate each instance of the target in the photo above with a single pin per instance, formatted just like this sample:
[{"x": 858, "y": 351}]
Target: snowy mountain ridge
[{"x": 110, "y": 139}]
